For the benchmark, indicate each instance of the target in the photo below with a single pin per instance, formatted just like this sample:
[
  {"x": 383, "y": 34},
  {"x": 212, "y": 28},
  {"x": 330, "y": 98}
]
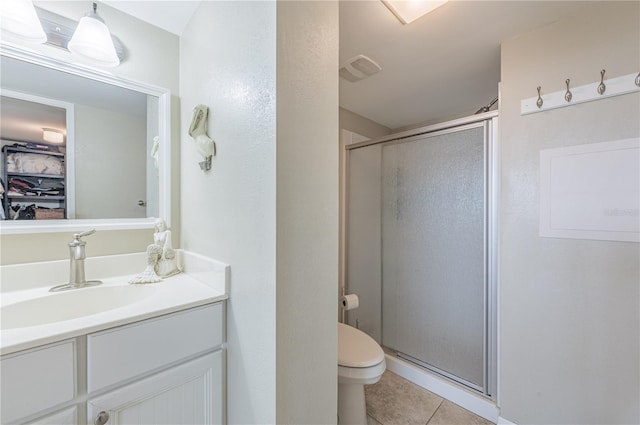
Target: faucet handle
[
  {"x": 76, "y": 237},
  {"x": 83, "y": 234}
]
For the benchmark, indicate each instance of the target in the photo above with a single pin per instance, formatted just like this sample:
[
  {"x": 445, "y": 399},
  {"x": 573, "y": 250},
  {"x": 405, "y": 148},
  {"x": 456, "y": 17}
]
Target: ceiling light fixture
[
  {"x": 52, "y": 136},
  {"x": 92, "y": 40},
  {"x": 408, "y": 11},
  {"x": 19, "y": 20}
]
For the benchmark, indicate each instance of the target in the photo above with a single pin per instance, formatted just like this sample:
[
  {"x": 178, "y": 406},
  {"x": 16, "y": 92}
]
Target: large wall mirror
[{"x": 80, "y": 147}]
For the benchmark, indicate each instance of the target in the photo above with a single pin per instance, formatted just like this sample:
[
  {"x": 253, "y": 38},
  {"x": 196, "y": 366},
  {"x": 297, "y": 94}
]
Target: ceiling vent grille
[{"x": 358, "y": 68}]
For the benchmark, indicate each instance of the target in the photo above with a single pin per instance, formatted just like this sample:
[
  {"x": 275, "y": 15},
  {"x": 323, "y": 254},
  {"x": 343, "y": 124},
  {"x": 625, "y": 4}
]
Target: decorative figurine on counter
[
  {"x": 198, "y": 130},
  {"x": 161, "y": 257},
  {"x": 167, "y": 263},
  {"x": 149, "y": 274}
]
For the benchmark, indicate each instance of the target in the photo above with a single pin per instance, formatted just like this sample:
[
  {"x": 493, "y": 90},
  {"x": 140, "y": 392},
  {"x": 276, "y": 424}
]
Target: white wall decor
[{"x": 591, "y": 191}]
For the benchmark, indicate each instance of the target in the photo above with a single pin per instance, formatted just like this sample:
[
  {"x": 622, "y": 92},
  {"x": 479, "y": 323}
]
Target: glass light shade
[
  {"x": 52, "y": 136},
  {"x": 92, "y": 41},
  {"x": 19, "y": 19}
]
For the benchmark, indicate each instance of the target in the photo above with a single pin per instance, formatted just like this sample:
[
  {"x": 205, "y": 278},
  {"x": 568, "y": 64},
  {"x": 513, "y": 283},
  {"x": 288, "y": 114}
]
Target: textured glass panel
[
  {"x": 433, "y": 251},
  {"x": 364, "y": 239}
]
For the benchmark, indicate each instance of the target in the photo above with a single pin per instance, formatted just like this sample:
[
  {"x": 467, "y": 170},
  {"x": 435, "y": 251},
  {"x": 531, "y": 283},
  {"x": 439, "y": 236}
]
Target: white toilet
[{"x": 360, "y": 362}]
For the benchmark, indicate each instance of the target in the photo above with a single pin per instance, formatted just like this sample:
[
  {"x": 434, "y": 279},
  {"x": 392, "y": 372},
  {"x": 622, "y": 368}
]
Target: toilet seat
[
  {"x": 361, "y": 375},
  {"x": 356, "y": 349}
]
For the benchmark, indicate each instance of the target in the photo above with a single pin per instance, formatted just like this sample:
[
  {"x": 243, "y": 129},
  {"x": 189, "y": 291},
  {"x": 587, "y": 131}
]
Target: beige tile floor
[{"x": 396, "y": 401}]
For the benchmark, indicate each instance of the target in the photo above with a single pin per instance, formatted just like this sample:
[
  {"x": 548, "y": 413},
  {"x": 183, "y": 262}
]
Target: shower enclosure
[{"x": 421, "y": 246}]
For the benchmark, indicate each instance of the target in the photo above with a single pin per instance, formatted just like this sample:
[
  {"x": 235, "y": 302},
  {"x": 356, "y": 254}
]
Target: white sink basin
[{"x": 72, "y": 304}]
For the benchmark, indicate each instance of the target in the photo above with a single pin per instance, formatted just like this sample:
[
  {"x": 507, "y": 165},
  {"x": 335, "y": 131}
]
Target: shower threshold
[
  {"x": 438, "y": 371},
  {"x": 462, "y": 395}
]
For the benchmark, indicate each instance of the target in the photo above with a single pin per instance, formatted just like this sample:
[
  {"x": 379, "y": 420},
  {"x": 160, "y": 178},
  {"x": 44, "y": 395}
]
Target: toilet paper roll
[{"x": 349, "y": 302}]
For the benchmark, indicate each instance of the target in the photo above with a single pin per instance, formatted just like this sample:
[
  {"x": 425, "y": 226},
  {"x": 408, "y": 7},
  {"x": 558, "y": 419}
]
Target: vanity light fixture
[
  {"x": 20, "y": 20},
  {"x": 52, "y": 136},
  {"x": 92, "y": 40},
  {"x": 408, "y": 11}
]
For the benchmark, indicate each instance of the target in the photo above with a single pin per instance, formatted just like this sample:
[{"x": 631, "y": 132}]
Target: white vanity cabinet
[
  {"x": 37, "y": 380},
  {"x": 168, "y": 369},
  {"x": 189, "y": 393},
  {"x": 65, "y": 416}
]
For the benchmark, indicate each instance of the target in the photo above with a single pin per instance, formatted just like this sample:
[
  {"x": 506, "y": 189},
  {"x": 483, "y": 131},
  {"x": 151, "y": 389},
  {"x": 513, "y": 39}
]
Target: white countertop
[{"x": 203, "y": 281}]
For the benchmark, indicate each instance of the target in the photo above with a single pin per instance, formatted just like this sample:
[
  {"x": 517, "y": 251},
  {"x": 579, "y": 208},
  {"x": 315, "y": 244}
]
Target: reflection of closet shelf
[
  {"x": 55, "y": 205},
  {"x": 38, "y": 176},
  {"x": 37, "y": 198},
  {"x": 39, "y": 152}
]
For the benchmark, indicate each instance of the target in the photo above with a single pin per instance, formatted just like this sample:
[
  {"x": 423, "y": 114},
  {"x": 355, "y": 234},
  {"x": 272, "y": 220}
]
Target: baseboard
[
  {"x": 475, "y": 403},
  {"x": 503, "y": 421}
]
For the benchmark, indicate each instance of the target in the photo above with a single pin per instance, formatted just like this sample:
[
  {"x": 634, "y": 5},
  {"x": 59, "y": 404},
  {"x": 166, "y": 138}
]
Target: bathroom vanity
[{"x": 156, "y": 356}]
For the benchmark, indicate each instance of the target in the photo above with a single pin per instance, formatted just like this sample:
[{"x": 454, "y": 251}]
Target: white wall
[
  {"x": 307, "y": 212},
  {"x": 268, "y": 207},
  {"x": 108, "y": 138},
  {"x": 151, "y": 58},
  {"x": 361, "y": 125},
  {"x": 228, "y": 62},
  {"x": 569, "y": 308}
]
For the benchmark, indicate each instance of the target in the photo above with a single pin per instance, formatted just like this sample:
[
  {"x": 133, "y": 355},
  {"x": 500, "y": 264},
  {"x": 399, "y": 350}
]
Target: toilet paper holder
[{"x": 349, "y": 302}]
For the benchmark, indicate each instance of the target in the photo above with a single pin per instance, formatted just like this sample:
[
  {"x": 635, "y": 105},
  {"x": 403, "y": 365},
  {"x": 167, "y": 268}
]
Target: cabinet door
[
  {"x": 191, "y": 393},
  {"x": 37, "y": 380},
  {"x": 67, "y": 417}
]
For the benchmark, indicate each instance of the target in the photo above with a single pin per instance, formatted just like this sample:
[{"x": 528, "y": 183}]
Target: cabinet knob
[
  {"x": 102, "y": 418},
  {"x": 142, "y": 203}
]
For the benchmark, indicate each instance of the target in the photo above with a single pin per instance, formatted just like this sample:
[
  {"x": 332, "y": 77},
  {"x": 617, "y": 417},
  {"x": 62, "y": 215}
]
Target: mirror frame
[{"x": 8, "y": 227}]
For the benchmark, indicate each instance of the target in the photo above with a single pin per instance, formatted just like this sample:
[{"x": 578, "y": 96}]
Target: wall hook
[
  {"x": 601, "y": 86},
  {"x": 568, "y": 95},
  {"x": 638, "y": 80},
  {"x": 539, "y": 102}
]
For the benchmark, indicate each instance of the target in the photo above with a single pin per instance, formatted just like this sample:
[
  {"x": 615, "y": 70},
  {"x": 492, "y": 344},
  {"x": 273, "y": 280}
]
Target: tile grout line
[
  {"x": 384, "y": 392},
  {"x": 376, "y": 419},
  {"x": 435, "y": 411}
]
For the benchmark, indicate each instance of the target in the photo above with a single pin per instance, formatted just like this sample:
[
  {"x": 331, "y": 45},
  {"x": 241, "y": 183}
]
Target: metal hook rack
[
  {"x": 568, "y": 95},
  {"x": 601, "y": 87},
  {"x": 598, "y": 90},
  {"x": 539, "y": 101}
]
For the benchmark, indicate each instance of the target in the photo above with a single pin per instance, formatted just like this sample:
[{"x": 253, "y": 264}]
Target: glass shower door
[{"x": 433, "y": 252}]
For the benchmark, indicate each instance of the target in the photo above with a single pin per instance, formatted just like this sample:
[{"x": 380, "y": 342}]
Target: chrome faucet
[{"x": 76, "y": 265}]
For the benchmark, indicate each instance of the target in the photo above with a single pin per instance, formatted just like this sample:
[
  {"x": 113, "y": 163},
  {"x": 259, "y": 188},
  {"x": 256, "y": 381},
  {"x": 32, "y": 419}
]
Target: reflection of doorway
[
  {"x": 111, "y": 165},
  {"x": 25, "y": 118}
]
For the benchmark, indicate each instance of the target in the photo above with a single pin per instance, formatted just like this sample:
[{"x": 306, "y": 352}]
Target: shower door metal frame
[{"x": 489, "y": 121}]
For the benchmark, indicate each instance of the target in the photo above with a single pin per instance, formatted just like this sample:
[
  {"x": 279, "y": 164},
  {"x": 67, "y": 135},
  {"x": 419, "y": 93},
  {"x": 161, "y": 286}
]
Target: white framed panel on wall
[{"x": 591, "y": 191}]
